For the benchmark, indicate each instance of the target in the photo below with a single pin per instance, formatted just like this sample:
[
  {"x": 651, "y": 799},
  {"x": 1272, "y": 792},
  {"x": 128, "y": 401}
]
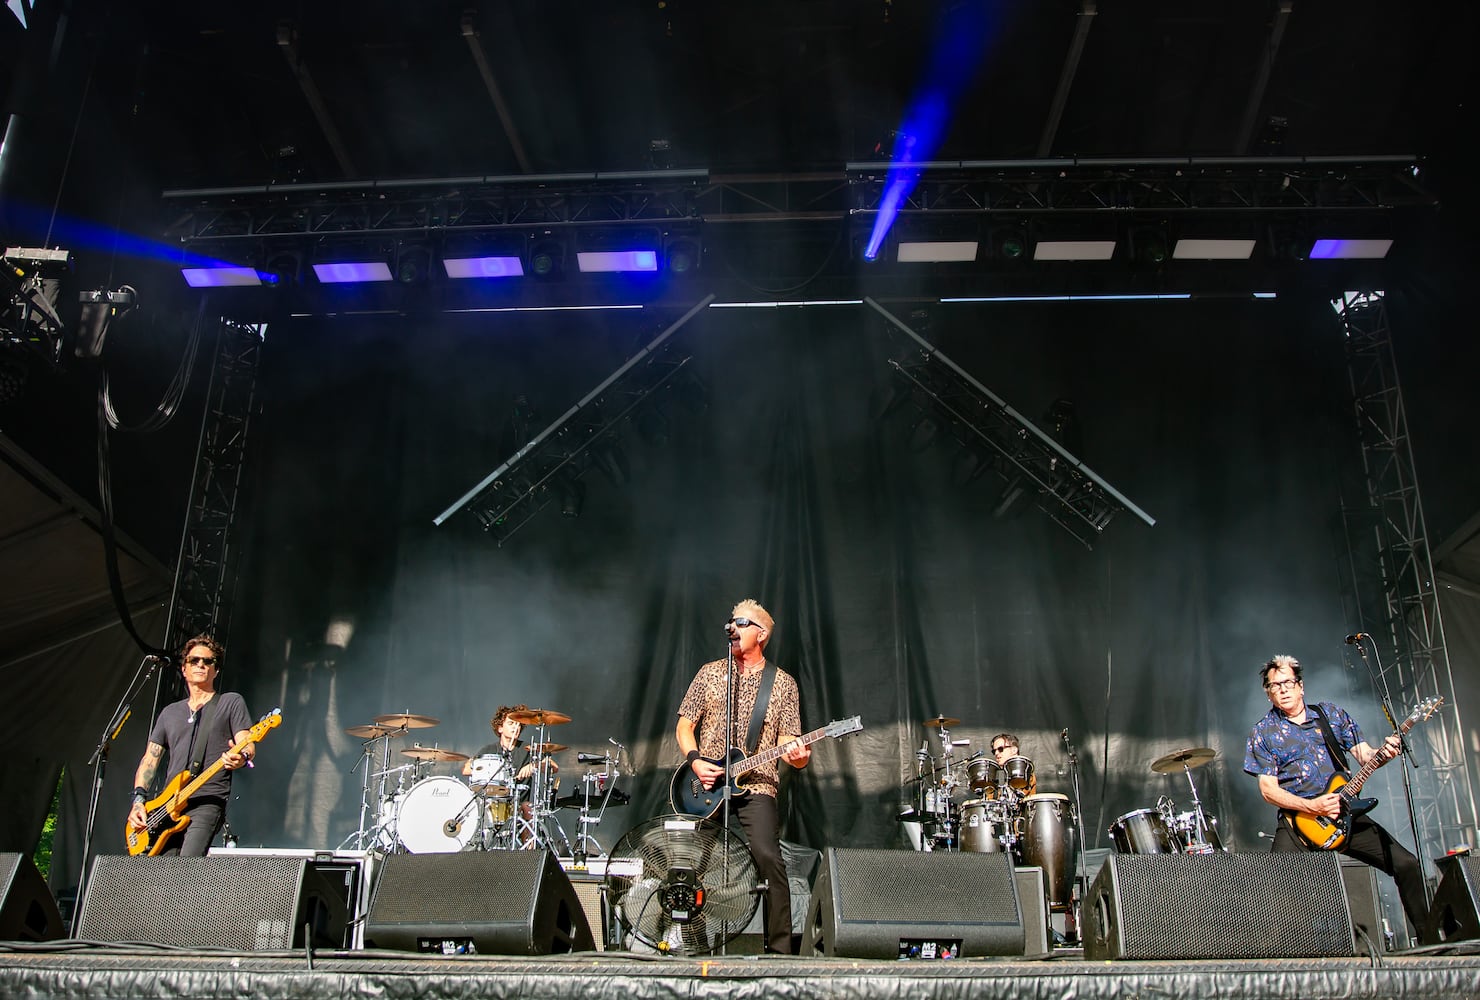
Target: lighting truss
[
  {"x": 508, "y": 497},
  {"x": 1069, "y": 492}
]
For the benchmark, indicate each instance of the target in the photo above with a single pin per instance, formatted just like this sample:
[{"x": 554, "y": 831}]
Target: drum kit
[
  {"x": 1004, "y": 812},
  {"x": 1164, "y": 830},
  {"x": 503, "y": 804}
]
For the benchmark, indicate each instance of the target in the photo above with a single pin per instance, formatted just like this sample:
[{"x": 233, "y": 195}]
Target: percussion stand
[{"x": 948, "y": 782}]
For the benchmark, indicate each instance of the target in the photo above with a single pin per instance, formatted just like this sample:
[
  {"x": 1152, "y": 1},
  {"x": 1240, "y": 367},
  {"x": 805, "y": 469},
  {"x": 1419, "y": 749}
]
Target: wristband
[
  {"x": 140, "y": 792},
  {"x": 693, "y": 756}
]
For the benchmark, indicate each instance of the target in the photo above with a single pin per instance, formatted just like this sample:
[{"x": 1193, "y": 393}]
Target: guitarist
[
  {"x": 199, "y": 728},
  {"x": 1288, "y": 752},
  {"x": 701, "y": 736}
]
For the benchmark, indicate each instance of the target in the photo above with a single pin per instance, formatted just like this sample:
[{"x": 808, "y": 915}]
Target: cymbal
[
  {"x": 547, "y": 747},
  {"x": 1188, "y": 757},
  {"x": 939, "y": 722},
  {"x": 405, "y": 720},
  {"x": 433, "y": 753},
  {"x": 537, "y": 717},
  {"x": 371, "y": 732},
  {"x": 577, "y": 800}
]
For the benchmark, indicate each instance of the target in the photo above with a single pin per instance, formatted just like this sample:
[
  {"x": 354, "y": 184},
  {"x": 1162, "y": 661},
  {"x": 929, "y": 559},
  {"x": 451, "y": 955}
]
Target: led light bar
[
  {"x": 937, "y": 252},
  {"x": 483, "y": 267},
  {"x": 1074, "y": 250},
  {"x": 1197, "y": 249},
  {"x": 350, "y": 272},
  {"x": 590, "y": 261},
  {"x": 220, "y": 277},
  {"x": 1350, "y": 249}
]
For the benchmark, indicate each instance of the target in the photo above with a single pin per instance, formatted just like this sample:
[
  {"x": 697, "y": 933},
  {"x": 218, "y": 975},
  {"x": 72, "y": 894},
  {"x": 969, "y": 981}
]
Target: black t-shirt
[{"x": 175, "y": 729}]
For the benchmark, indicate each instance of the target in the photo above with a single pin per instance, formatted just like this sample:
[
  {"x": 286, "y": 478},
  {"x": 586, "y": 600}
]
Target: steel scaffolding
[{"x": 1390, "y": 551}]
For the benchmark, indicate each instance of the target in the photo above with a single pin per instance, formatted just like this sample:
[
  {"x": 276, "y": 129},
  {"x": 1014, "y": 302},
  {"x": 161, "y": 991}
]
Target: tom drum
[{"x": 1142, "y": 832}]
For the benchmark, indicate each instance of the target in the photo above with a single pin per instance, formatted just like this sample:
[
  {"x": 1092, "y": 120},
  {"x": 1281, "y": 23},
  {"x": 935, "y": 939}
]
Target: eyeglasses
[
  {"x": 744, "y": 623},
  {"x": 1282, "y": 685},
  {"x": 207, "y": 660}
]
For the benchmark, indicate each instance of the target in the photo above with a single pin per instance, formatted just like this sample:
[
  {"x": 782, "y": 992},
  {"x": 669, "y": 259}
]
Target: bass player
[
  {"x": 1289, "y": 752},
  {"x": 702, "y": 738}
]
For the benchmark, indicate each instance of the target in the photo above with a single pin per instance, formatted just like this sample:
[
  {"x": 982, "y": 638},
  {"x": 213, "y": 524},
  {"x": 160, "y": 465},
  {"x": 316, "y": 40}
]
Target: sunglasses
[
  {"x": 207, "y": 660},
  {"x": 744, "y": 623},
  {"x": 1002, "y": 747}
]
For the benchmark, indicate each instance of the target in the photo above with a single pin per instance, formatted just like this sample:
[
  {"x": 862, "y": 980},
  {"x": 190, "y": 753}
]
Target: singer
[{"x": 766, "y": 713}]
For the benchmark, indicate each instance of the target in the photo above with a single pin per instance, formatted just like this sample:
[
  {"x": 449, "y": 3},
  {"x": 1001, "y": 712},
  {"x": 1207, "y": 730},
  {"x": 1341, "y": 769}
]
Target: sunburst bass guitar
[
  {"x": 689, "y": 797},
  {"x": 165, "y": 813},
  {"x": 1327, "y": 834}
]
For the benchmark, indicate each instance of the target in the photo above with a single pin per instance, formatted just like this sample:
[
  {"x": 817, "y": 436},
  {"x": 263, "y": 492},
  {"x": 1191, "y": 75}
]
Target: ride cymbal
[
  {"x": 537, "y": 717},
  {"x": 405, "y": 720},
  {"x": 547, "y": 747},
  {"x": 1189, "y": 757},
  {"x": 939, "y": 722},
  {"x": 371, "y": 732},
  {"x": 433, "y": 753}
]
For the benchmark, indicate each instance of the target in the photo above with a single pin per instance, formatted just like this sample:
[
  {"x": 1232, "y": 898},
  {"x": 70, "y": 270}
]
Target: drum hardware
[
  {"x": 598, "y": 786},
  {"x": 1199, "y": 834}
]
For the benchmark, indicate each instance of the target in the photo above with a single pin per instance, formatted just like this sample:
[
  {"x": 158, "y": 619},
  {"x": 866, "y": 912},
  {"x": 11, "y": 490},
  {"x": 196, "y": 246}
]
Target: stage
[{"x": 78, "y": 969}]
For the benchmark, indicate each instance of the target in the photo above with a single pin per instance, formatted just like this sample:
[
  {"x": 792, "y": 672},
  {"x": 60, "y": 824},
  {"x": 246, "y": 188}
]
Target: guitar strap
[
  {"x": 762, "y": 702},
  {"x": 1338, "y": 755},
  {"x": 203, "y": 720}
]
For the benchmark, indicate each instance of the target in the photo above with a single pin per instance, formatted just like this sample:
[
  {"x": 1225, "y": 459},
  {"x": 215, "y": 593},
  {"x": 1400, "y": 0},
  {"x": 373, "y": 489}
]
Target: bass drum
[
  {"x": 424, "y": 815},
  {"x": 1142, "y": 832},
  {"x": 983, "y": 826},
  {"x": 1047, "y": 842}
]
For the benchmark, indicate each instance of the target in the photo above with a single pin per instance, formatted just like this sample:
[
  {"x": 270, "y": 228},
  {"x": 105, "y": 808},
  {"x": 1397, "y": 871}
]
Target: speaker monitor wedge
[
  {"x": 1454, "y": 914},
  {"x": 892, "y": 904},
  {"x": 1170, "y": 906},
  {"x": 484, "y": 902},
  {"x": 27, "y": 911}
]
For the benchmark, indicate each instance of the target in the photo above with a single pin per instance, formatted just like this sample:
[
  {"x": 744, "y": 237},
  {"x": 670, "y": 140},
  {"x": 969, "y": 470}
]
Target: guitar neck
[
  {"x": 1352, "y": 787},
  {"x": 776, "y": 752},
  {"x": 210, "y": 772}
]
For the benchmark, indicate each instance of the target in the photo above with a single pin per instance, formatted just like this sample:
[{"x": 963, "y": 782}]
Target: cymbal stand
[
  {"x": 945, "y": 782},
  {"x": 1198, "y": 840},
  {"x": 362, "y": 836}
]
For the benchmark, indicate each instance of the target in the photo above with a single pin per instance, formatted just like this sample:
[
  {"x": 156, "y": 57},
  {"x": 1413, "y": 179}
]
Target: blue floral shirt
[{"x": 1297, "y": 754}]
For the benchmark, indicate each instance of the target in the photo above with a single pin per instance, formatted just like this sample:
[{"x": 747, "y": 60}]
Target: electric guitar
[
  {"x": 1329, "y": 834},
  {"x": 688, "y": 795},
  {"x": 164, "y": 813}
]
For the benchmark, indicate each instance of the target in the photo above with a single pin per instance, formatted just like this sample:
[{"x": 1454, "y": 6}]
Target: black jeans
[
  {"x": 1372, "y": 845},
  {"x": 206, "y": 817},
  {"x": 759, "y": 817}
]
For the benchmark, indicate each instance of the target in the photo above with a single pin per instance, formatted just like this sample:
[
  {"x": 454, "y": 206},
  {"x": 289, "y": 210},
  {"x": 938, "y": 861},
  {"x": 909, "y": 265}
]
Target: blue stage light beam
[{"x": 963, "y": 36}]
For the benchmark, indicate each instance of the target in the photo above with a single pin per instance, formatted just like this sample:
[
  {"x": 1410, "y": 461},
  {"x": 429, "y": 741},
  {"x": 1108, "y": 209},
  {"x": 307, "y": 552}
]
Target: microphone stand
[
  {"x": 99, "y": 761},
  {"x": 725, "y": 777},
  {"x": 1379, "y": 683},
  {"x": 1082, "y": 876}
]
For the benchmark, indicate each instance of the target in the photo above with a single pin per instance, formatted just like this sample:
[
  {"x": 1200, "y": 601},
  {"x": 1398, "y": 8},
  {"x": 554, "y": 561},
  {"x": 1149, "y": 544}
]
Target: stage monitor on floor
[
  {"x": 27, "y": 911},
  {"x": 1454, "y": 915}
]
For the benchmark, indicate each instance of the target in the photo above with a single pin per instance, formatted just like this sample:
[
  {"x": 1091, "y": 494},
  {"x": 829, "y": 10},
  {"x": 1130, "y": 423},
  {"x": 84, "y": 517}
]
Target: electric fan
[{"x": 695, "y": 891}]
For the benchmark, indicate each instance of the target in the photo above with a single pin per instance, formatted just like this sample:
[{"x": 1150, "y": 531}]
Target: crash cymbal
[
  {"x": 433, "y": 753},
  {"x": 537, "y": 717},
  {"x": 939, "y": 722},
  {"x": 547, "y": 747},
  {"x": 371, "y": 732},
  {"x": 577, "y": 800},
  {"x": 1188, "y": 757},
  {"x": 405, "y": 720}
]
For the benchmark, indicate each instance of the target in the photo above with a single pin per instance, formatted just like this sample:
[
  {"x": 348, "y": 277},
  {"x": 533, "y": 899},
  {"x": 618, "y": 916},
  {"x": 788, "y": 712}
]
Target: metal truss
[
  {"x": 1068, "y": 491},
  {"x": 205, "y": 575},
  {"x": 551, "y": 465},
  {"x": 1390, "y": 538}
]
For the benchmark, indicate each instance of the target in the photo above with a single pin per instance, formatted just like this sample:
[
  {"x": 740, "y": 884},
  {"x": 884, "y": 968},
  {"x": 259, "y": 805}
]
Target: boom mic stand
[
  {"x": 1379, "y": 684},
  {"x": 1082, "y": 875}
]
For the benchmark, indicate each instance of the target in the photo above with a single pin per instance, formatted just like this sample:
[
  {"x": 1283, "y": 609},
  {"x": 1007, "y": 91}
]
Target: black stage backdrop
[{"x": 897, "y": 593}]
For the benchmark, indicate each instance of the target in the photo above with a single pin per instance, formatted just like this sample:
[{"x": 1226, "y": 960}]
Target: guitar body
[
  {"x": 688, "y": 796},
  {"x": 156, "y": 837},
  {"x": 1330, "y": 834}
]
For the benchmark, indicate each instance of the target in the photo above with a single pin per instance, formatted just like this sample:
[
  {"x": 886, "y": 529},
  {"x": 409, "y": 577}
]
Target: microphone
[
  {"x": 156, "y": 658},
  {"x": 1064, "y": 735},
  {"x": 1355, "y": 638},
  {"x": 729, "y": 628}
]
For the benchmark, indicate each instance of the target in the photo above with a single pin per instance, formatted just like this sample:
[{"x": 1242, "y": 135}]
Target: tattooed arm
[{"x": 144, "y": 778}]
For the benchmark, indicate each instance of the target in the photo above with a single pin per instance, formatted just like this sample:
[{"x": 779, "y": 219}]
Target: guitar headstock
[
  {"x": 1425, "y": 708},
  {"x": 269, "y": 721},
  {"x": 842, "y": 727}
]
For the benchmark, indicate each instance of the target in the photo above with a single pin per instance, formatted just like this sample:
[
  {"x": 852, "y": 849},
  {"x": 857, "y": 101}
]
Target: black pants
[
  {"x": 758, "y": 816},
  {"x": 206, "y": 817},
  {"x": 1372, "y": 845}
]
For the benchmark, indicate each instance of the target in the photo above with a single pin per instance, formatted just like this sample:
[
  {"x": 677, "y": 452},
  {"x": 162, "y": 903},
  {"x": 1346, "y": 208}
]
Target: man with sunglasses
[
  {"x": 702, "y": 738},
  {"x": 1289, "y": 752},
  {"x": 202, "y": 727},
  {"x": 1006, "y": 746}
]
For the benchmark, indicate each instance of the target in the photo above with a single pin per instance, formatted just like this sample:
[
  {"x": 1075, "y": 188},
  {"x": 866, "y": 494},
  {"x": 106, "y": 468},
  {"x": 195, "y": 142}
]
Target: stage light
[
  {"x": 1148, "y": 245},
  {"x": 608, "y": 261},
  {"x": 1009, "y": 243},
  {"x": 413, "y": 263},
  {"x": 546, "y": 257},
  {"x": 351, "y": 272},
  {"x": 483, "y": 267},
  {"x": 1350, "y": 249},
  {"x": 224, "y": 276},
  {"x": 944, "y": 251},
  {"x": 1204, "y": 249},
  {"x": 1074, "y": 250},
  {"x": 682, "y": 254}
]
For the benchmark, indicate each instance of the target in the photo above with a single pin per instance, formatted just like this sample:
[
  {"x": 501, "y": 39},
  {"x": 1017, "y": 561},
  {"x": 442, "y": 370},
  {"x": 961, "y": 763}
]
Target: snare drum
[
  {"x": 1048, "y": 843},
  {"x": 1142, "y": 832},
  {"x": 983, "y": 826},
  {"x": 983, "y": 773},
  {"x": 1018, "y": 772}
]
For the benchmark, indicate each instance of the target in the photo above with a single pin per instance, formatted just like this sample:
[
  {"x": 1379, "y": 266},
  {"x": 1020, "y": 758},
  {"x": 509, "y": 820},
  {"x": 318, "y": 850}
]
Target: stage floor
[{"x": 74, "y": 969}]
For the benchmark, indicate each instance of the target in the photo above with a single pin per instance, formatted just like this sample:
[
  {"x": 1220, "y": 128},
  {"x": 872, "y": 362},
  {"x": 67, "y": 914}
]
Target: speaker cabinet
[
  {"x": 899, "y": 904},
  {"x": 27, "y": 911},
  {"x": 1454, "y": 916},
  {"x": 483, "y": 902},
  {"x": 1032, "y": 890},
  {"x": 1168, "y": 906},
  {"x": 1365, "y": 903},
  {"x": 245, "y": 903}
]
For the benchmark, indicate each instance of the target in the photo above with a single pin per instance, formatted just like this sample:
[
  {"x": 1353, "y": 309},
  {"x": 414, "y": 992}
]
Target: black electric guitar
[
  {"x": 689, "y": 796},
  {"x": 1330, "y": 834}
]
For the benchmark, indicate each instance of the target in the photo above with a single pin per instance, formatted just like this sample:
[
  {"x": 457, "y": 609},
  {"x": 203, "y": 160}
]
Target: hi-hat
[
  {"x": 405, "y": 720},
  {"x": 547, "y": 747},
  {"x": 433, "y": 753},
  {"x": 537, "y": 717},
  {"x": 1189, "y": 757},
  {"x": 371, "y": 732},
  {"x": 939, "y": 722}
]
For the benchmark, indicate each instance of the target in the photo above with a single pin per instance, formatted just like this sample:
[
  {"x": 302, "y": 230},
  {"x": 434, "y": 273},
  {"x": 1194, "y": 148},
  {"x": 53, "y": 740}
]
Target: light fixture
[
  {"x": 1353, "y": 249},
  {"x": 1148, "y": 245},
  {"x": 682, "y": 254},
  {"x": 483, "y": 267},
  {"x": 1212, "y": 249},
  {"x": 413, "y": 263},
  {"x": 220, "y": 276},
  {"x": 546, "y": 256},
  {"x": 937, "y": 251},
  {"x": 1074, "y": 250},
  {"x": 607, "y": 261}
]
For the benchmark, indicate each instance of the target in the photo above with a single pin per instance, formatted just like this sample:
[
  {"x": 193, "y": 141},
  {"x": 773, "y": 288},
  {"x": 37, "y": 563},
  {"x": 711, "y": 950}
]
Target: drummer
[
  {"x": 508, "y": 743},
  {"x": 1006, "y": 746}
]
